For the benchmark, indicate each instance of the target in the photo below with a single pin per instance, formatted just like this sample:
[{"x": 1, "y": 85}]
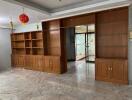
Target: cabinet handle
[{"x": 109, "y": 68}]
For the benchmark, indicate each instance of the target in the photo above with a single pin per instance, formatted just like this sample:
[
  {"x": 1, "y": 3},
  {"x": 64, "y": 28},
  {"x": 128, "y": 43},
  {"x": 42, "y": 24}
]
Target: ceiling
[
  {"x": 39, "y": 10},
  {"x": 54, "y": 4}
]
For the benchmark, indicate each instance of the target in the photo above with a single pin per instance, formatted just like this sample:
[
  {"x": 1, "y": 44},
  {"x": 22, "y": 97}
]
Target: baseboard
[{"x": 71, "y": 60}]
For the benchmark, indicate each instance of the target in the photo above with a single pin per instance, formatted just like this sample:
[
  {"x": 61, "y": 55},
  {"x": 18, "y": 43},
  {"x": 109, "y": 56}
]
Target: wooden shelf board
[
  {"x": 28, "y": 39},
  {"x": 28, "y": 47},
  {"x": 17, "y": 40},
  {"x": 37, "y": 39},
  {"x": 18, "y": 47},
  {"x": 37, "y": 47}
]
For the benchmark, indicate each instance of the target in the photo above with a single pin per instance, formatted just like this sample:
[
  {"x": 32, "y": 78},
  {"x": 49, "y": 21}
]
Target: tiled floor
[{"x": 77, "y": 84}]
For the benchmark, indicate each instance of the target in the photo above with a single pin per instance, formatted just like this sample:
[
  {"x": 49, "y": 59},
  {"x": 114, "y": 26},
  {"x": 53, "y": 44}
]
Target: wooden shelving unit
[
  {"x": 18, "y": 44},
  {"x": 40, "y": 50},
  {"x": 27, "y": 50},
  {"x": 55, "y": 45},
  {"x": 29, "y": 43}
]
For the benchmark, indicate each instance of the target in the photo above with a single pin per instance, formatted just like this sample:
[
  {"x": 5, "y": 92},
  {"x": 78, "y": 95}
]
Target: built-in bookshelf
[
  {"x": 28, "y": 43},
  {"x": 39, "y": 50}
]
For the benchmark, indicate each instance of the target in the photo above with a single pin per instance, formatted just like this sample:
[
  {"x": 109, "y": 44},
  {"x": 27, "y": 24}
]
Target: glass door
[
  {"x": 90, "y": 43},
  {"x": 85, "y": 42},
  {"x": 80, "y": 41}
]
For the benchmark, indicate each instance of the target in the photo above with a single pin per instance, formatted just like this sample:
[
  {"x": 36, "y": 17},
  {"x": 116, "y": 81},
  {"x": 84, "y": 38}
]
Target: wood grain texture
[
  {"x": 112, "y": 70},
  {"x": 112, "y": 33},
  {"x": 112, "y": 46},
  {"x": 55, "y": 46}
]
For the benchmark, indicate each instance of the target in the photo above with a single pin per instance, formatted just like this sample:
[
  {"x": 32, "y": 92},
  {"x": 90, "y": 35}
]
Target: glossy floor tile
[{"x": 77, "y": 84}]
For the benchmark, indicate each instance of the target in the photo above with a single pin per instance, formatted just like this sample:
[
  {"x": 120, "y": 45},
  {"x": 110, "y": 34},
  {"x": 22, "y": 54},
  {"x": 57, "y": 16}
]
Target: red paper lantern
[{"x": 24, "y": 18}]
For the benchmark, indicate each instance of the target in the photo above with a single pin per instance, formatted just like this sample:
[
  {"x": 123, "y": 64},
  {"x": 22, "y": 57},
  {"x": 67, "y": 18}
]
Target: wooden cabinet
[
  {"x": 55, "y": 63},
  {"x": 52, "y": 64},
  {"x": 28, "y": 62},
  {"x": 102, "y": 69},
  {"x": 112, "y": 45},
  {"x": 119, "y": 71},
  {"x": 28, "y": 49},
  {"x": 112, "y": 70},
  {"x": 18, "y": 60},
  {"x": 54, "y": 46},
  {"x": 34, "y": 62},
  {"x": 49, "y": 64}
]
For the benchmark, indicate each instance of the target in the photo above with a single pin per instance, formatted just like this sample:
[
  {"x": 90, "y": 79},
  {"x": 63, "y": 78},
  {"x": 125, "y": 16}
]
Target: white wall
[
  {"x": 5, "y": 49},
  {"x": 28, "y": 27},
  {"x": 130, "y": 46}
]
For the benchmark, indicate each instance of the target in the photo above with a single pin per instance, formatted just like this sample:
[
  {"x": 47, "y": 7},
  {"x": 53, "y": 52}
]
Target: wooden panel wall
[
  {"x": 112, "y": 33},
  {"x": 112, "y": 46},
  {"x": 78, "y": 20},
  {"x": 55, "y": 41}
]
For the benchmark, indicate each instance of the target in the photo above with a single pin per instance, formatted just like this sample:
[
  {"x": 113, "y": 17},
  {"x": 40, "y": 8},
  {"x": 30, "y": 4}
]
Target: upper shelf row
[{"x": 36, "y": 35}]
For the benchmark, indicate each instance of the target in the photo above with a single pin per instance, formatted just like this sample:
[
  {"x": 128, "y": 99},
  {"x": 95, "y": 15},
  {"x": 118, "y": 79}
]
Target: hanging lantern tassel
[
  {"x": 11, "y": 23},
  {"x": 24, "y": 18},
  {"x": 37, "y": 27}
]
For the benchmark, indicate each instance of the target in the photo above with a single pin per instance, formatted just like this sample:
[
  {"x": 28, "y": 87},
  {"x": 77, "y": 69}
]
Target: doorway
[
  {"x": 85, "y": 42},
  {"x": 80, "y": 43}
]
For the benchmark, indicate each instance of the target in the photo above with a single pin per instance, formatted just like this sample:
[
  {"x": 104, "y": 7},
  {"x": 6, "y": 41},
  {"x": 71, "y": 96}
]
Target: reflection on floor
[
  {"x": 89, "y": 58},
  {"x": 82, "y": 70},
  {"x": 77, "y": 84},
  {"x": 81, "y": 56}
]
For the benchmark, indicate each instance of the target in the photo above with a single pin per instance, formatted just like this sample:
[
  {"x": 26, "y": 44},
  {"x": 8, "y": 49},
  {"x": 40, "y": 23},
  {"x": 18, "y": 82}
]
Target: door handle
[{"x": 109, "y": 68}]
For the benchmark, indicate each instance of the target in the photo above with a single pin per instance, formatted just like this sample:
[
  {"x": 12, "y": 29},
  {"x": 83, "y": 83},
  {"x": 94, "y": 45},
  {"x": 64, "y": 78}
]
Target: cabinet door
[
  {"x": 28, "y": 61},
  {"x": 43, "y": 63},
  {"x": 18, "y": 60},
  {"x": 21, "y": 59},
  {"x": 47, "y": 64},
  {"x": 119, "y": 71},
  {"x": 34, "y": 62},
  {"x": 55, "y": 65},
  {"x": 101, "y": 70},
  {"x": 39, "y": 63}
]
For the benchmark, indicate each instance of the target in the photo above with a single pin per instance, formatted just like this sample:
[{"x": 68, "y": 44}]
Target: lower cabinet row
[
  {"x": 49, "y": 64},
  {"x": 112, "y": 70}
]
